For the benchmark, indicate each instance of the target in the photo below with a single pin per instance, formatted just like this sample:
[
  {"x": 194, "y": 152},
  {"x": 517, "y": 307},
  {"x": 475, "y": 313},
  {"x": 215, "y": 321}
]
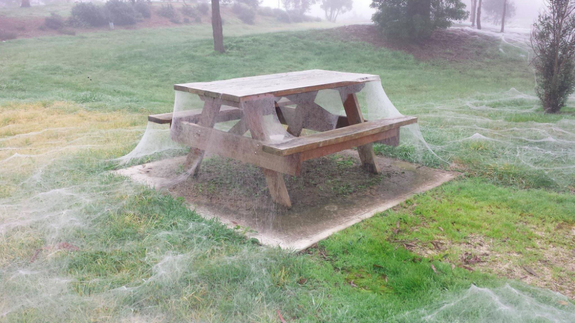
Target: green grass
[{"x": 145, "y": 256}]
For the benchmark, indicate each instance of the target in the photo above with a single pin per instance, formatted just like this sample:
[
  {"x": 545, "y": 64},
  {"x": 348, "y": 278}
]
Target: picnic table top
[{"x": 277, "y": 85}]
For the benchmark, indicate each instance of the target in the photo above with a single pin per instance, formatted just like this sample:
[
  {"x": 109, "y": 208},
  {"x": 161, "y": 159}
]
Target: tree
[
  {"x": 299, "y": 6},
  {"x": 503, "y": 16},
  {"x": 473, "y": 11},
  {"x": 416, "y": 19},
  {"x": 553, "y": 43},
  {"x": 478, "y": 14},
  {"x": 333, "y": 8},
  {"x": 25, "y": 4},
  {"x": 495, "y": 9},
  {"x": 217, "y": 28}
]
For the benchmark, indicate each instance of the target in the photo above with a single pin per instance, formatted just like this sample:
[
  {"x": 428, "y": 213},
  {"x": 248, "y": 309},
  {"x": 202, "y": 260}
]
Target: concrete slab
[{"x": 332, "y": 194}]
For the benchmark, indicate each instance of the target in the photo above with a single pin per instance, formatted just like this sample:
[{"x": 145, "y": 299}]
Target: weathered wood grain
[
  {"x": 274, "y": 85},
  {"x": 225, "y": 114},
  {"x": 207, "y": 119},
  {"x": 237, "y": 147},
  {"x": 354, "y": 117},
  {"x": 331, "y": 149},
  {"x": 321, "y": 139},
  {"x": 254, "y": 121}
]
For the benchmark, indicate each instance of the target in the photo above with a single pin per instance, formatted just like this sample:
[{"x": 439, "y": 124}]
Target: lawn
[{"x": 81, "y": 245}]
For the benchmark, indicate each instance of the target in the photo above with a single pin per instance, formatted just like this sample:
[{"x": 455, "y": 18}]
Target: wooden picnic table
[{"x": 250, "y": 99}]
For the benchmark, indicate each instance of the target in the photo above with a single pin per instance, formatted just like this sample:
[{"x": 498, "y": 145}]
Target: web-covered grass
[{"x": 80, "y": 244}]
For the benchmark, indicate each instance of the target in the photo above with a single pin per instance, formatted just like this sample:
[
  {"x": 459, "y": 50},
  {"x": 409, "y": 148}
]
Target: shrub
[
  {"x": 266, "y": 11},
  {"x": 203, "y": 8},
  {"x": 55, "y": 21},
  {"x": 296, "y": 16},
  {"x": 87, "y": 15},
  {"x": 553, "y": 43},
  {"x": 7, "y": 35},
  {"x": 169, "y": 12},
  {"x": 143, "y": 8},
  {"x": 244, "y": 12},
  {"x": 189, "y": 11},
  {"x": 282, "y": 16},
  {"x": 122, "y": 13},
  {"x": 416, "y": 19}
]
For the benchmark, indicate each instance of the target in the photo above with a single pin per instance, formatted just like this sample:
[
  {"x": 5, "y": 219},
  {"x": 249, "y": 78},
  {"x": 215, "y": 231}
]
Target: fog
[{"x": 527, "y": 11}]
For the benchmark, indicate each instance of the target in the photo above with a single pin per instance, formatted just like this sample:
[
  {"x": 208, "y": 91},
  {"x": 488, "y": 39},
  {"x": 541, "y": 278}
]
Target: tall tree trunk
[
  {"x": 473, "y": 11},
  {"x": 217, "y": 27},
  {"x": 503, "y": 16},
  {"x": 426, "y": 10},
  {"x": 479, "y": 14},
  {"x": 25, "y": 4}
]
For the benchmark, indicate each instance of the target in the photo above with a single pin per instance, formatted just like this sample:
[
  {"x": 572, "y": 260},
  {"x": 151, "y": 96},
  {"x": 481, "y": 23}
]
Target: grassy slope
[{"x": 179, "y": 267}]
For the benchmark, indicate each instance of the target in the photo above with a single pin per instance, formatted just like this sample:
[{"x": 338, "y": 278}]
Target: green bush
[
  {"x": 55, "y": 21},
  {"x": 416, "y": 19},
  {"x": 266, "y": 11},
  {"x": 169, "y": 12},
  {"x": 189, "y": 11},
  {"x": 246, "y": 13},
  {"x": 87, "y": 15},
  {"x": 122, "y": 13},
  {"x": 143, "y": 8},
  {"x": 282, "y": 16},
  {"x": 203, "y": 8},
  {"x": 7, "y": 35}
]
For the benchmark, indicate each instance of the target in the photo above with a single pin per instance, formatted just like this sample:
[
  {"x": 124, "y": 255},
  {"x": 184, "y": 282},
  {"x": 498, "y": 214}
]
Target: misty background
[{"x": 527, "y": 11}]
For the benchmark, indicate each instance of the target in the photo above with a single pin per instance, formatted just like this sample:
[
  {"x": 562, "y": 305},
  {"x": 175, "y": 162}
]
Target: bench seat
[
  {"x": 193, "y": 116},
  {"x": 339, "y": 139}
]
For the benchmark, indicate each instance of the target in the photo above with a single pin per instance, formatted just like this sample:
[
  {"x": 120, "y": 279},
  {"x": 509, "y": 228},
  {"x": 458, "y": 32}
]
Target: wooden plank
[
  {"x": 225, "y": 114},
  {"x": 331, "y": 149},
  {"x": 354, "y": 116},
  {"x": 237, "y": 147},
  {"x": 240, "y": 128},
  {"x": 275, "y": 85},
  {"x": 392, "y": 140},
  {"x": 287, "y": 114},
  {"x": 303, "y": 101},
  {"x": 254, "y": 120},
  {"x": 277, "y": 187},
  {"x": 317, "y": 140},
  {"x": 208, "y": 120}
]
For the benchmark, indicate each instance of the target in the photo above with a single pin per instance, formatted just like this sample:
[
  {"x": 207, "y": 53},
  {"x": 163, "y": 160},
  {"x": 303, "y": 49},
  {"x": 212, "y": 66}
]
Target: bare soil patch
[
  {"x": 449, "y": 44},
  {"x": 555, "y": 270},
  {"x": 331, "y": 194}
]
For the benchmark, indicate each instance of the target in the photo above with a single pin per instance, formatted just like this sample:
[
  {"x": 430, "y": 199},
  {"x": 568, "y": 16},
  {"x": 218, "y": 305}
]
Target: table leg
[
  {"x": 208, "y": 120},
  {"x": 254, "y": 120},
  {"x": 240, "y": 128},
  {"x": 354, "y": 116}
]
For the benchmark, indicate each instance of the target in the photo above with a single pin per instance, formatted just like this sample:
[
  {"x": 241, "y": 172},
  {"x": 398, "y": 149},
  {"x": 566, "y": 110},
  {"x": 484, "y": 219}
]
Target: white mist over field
[{"x": 527, "y": 11}]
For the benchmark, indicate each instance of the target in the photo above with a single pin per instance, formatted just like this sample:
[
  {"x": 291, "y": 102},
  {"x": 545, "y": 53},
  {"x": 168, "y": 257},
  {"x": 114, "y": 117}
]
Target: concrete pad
[{"x": 332, "y": 194}]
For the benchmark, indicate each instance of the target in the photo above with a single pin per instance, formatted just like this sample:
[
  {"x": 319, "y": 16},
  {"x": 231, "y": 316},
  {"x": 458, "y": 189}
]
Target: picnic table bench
[{"x": 250, "y": 99}]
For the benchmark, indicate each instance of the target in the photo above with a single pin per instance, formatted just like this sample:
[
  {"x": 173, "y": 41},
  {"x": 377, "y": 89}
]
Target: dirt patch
[
  {"x": 331, "y": 194},
  {"x": 448, "y": 44},
  {"x": 555, "y": 270}
]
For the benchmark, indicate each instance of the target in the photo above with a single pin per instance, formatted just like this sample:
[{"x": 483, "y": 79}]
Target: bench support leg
[
  {"x": 208, "y": 120},
  {"x": 254, "y": 121},
  {"x": 354, "y": 116}
]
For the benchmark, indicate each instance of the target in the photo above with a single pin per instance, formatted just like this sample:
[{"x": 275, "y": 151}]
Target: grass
[{"x": 78, "y": 244}]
